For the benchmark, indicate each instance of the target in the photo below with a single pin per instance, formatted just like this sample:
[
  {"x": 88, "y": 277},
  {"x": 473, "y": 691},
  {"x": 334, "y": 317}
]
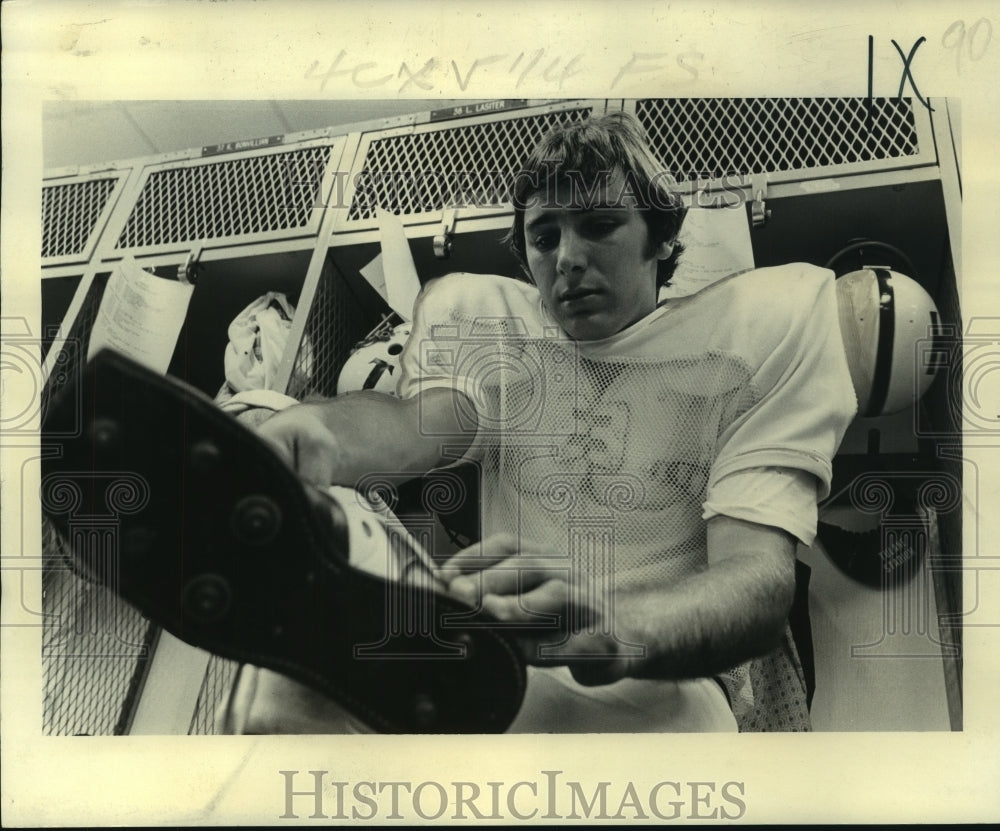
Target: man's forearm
[
  {"x": 344, "y": 439},
  {"x": 708, "y": 622}
]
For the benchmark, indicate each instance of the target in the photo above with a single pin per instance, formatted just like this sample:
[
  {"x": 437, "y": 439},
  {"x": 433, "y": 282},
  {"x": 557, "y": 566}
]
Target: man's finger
[
  {"x": 547, "y": 599},
  {"x": 515, "y": 576},
  {"x": 278, "y": 443},
  {"x": 509, "y": 577},
  {"x": 313, "y": 463},
  {"x": 480, "y": 556},
  {"x": 523, "y": 555}
]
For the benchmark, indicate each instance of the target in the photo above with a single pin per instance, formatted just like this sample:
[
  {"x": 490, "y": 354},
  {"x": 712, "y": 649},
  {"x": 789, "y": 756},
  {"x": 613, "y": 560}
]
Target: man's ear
[{"x": 665, "y": 248}]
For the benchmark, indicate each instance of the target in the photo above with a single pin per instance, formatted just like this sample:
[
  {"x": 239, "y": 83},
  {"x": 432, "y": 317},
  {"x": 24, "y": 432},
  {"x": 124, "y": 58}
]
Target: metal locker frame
[
  {"x": 947, "y": 128},
  {"x": 106, "y": 251}
]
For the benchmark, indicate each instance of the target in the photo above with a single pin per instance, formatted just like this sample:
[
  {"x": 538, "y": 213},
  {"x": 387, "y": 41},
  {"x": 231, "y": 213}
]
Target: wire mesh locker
[
  {"x": 97, "y": 649},
  {"x": 710, "y": 138},
  {"x": 247, "y": 198},
  {"x": 471, "y": 163},
  {"x": 74, "y": 212},
  {"x": 73, "y": 349},
  {"x": 344, "y": 310},
  {"x": 215, "y": 688}
]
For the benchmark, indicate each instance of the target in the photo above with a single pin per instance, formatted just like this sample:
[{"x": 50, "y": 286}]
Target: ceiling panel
[
  {"x": 178, "y": 125},
  {"x": 83, "y": 133}
]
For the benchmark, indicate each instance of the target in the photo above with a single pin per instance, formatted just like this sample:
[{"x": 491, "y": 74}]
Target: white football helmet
[
  {"x": 884, "y": 318},
  {"x": 374, "y": 363}
]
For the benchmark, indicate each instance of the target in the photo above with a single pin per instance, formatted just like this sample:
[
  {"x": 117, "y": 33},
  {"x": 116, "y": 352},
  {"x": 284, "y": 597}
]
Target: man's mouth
[{"x": 573, "y": 295}]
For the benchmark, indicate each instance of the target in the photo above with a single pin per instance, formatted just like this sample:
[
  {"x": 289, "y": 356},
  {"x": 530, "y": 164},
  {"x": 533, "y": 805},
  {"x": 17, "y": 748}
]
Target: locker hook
[
  {"x": 759, "y": 212},
  {"x": 187, "y": 271},
  {"x": 445, "y": 237}
]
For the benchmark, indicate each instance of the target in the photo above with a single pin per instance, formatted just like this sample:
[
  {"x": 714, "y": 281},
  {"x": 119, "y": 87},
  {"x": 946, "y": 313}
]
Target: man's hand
[
  {"x": 545, "y": 603},
  {"x": 699, "y": 626},
  {"x": 302, "y": 438}
]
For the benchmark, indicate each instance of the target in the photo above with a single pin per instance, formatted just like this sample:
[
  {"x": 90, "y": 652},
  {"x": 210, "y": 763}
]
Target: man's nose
[{"x": 572, "y": 255}]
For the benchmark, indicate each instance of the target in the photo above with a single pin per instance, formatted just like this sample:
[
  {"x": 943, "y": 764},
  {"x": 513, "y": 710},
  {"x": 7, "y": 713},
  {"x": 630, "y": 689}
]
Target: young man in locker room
[{"x": 647, "y": 468}]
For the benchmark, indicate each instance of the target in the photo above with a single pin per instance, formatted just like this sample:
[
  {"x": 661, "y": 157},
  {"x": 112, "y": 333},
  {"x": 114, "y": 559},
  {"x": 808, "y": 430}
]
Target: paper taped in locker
[
  {"x": 141, "y": 315},
  {"x": 401, "y": 281},
  {"x": 717, "y": 244}
]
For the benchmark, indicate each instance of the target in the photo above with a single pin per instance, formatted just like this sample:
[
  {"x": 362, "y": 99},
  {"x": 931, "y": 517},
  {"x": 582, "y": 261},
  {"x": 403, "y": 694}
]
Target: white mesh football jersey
[{"x": 608, "y": 451}]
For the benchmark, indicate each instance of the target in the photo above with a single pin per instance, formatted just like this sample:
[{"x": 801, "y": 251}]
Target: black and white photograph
[{"x": 427, "y": 425}]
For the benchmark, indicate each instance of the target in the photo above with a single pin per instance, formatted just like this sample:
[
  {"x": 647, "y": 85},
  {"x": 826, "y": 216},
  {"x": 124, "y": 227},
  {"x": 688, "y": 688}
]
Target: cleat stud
[
  {"x": 425, "y": 711},
  {"x": 205, "y": 456},
  {"x": 256, "y": 520},
  {"x": 206, "y": 598},
  {"x": 468, "y": 644},
  {"x": 104, "y": 432}
]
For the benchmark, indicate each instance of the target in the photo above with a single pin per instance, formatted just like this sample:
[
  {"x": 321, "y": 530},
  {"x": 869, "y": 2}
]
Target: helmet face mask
[
  {"x": 884, "y": 316},
  {"x": 374, "y": 363}
]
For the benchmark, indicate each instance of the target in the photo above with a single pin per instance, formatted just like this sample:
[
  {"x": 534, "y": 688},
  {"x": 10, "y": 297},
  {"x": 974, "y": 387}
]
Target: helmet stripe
[
  {"x": 886, "y": 335},
  {"x": 377, "y": 371}
]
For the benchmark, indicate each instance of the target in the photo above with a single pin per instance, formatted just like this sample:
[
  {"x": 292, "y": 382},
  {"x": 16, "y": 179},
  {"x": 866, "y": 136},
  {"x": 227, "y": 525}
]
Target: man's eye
[
  {"x": 602, "y": 227},
  {"x": 543, "y": 242}
]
